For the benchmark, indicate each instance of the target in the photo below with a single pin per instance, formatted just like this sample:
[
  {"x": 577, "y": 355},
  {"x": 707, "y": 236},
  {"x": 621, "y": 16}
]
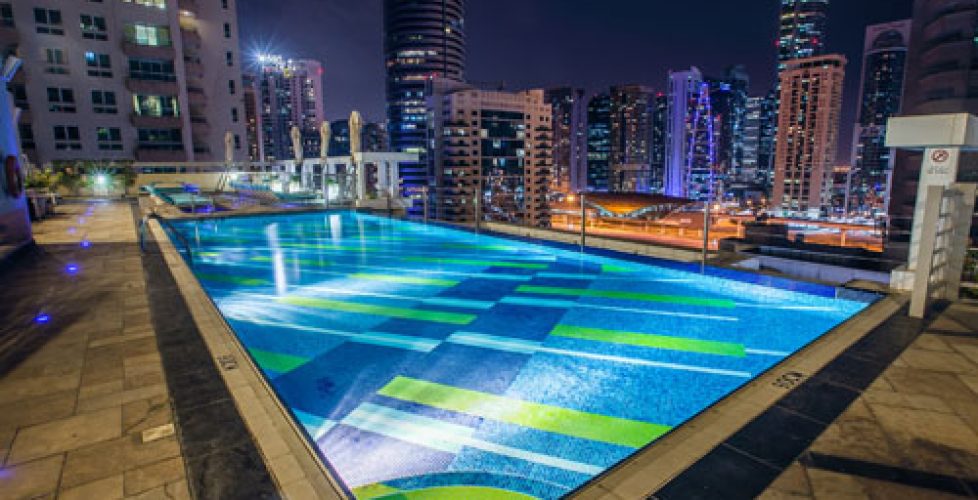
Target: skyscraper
[
  {"x": 728, "y": 97},
  {"x": 631, "y": 138},
  {"x": 802, "y": 33},
  {"x": 941, "y": 76},
  {"x": 598, "y": 142},
  {"x": 881, "y": 94},
  {"x": 808, "y": 132},
  {"x": 759, "y": 131},
  {"x": 148, "y": 81},
  {"x": 496, "y": 146},
  {"x": 570, "y": 138},
  {"x": 684, "y": 92},
  {"x": 660, "y": 113},
  {"x": 289, "y": 94},
  {"x": 423, "y": 40}
]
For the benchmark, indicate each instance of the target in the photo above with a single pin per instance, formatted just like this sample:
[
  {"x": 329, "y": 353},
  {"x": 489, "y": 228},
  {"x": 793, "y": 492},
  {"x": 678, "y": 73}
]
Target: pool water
[{"x": 430, "y": 362}]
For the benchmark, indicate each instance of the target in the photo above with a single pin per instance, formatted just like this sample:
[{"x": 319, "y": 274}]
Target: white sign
[{"x": 940, "y": 166}]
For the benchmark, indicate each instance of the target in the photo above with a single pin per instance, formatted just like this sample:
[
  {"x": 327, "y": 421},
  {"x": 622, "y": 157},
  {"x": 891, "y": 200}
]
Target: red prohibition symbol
[{"x": 940, "y": 156}]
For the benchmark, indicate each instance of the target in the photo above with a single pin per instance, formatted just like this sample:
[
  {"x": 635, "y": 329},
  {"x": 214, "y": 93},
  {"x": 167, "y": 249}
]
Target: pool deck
[{"x": 118, "y": 396}]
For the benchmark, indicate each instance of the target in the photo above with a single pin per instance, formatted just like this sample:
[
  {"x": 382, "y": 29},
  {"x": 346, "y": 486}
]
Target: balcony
[
  {"x": 147, "y": 52},
  {"x": 152, "y": 87},
  {"x": 145, "y": 121},
  {"x": 160, "y": 155}
]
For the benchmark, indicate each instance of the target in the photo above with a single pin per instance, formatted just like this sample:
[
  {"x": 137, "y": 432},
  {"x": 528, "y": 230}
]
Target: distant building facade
[
  {"x": 881, "y": 97},
  {"x": 147, "y": 81},
  {"x": 807, "y": 140},
  {"x": 728, "y": 99},
  {"x": 760, "y": 127},
  {"x": 599, "y": 142},
  {"x": 684, "y": 90},
  {"x": 569, "y": 138},
  {"x": 424, "y": 40},
  {"x": 802, "y": 30},
  {"x": 632, "y": 109},
  {"x": 495, "y": 146},
  {"x": 660, "y": 114},
  {"x": 289, "y": 93}
]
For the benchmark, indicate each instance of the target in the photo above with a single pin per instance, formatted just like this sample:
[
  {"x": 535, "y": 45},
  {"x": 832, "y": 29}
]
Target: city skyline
[{"x": 571, "y": 45}]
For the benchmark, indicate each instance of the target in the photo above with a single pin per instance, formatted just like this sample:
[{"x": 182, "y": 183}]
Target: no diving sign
[{"x": 940, "y": 166}]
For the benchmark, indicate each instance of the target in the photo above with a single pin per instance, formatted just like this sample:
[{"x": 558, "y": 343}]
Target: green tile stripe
[
  {"x": 318, "y": 246},
  {"x": 234, "y": 280},
  {"x": 649, "y": 340},
  {"x": 277, "y": 362},
  {"x": 479, "y": 263},
  {"x": 620, "y": 294},
  {"x": 620, "y": 431},
  {"x": 372, "y": 491},
  {"x": 301, "y": 262},
  {"x": 407, "y": 280},
  {"x": 457, "y": 493},
  {"x": 611, "y": 268},
  {"x": 393, "y": 312}
]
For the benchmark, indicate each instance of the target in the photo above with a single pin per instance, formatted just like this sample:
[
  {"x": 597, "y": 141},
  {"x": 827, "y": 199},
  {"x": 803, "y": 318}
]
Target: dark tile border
[
  {"x": 221, "y": 458},
  {"x": 774, "y": 440}
]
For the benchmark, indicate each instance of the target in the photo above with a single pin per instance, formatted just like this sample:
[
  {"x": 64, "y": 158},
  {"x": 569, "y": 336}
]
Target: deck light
[
  {"x": 72, "y": 269},
  {"x": 42, "y": 318}
]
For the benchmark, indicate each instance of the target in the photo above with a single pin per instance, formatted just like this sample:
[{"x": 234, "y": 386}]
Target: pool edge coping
[{"x": 296, "y": 468}]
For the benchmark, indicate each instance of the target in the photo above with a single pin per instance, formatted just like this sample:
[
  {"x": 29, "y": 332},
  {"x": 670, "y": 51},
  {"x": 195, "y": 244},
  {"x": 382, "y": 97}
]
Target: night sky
[{"x": 534, "y": 43}]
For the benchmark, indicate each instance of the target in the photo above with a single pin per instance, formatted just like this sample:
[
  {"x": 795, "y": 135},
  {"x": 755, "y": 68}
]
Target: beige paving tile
[
  {"x": 66, "y": 434},
  {"x": 19, "y": 389},
  {"x": 930, "y": 441},
  {"x": 31, "y": 479},
  {"x": 938, "y": 361},
  {"x": 792, "y": 483},
  {"x": 110, "y": 488},
  {"x": 943, "y": 385},
  {"x": 143, "y": 414},
  {"x": 832, "y": 486},
  {"x": 38, "y": 410},
  {"x": 971, "y": 381},
  {"x": 154, "y": 475},
  {"x": 117, "y": 399},
  {"x": 931, "y": 342}
]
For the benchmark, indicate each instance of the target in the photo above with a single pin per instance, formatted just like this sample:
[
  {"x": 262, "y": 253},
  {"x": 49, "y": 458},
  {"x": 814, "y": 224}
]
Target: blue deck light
[{"x": 42, "y": 318}]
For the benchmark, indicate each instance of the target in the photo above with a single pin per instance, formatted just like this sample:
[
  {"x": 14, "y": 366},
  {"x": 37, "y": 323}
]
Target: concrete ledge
[
  {"x": 294, "y": 464},
  {"x": 634, "y": 248}
]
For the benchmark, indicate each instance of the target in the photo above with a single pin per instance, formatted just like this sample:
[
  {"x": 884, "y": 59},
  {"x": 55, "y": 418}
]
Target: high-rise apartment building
[
  {"x": 288, "y": 93},
  {"x": 570, "y": 139},
  {"x": 942, "y": 77},
  {"x": 728, "y": 99},
  {"x": 802, "y": 32},
  {"x": 759, "y": 130},
  {"x": 808, "y": 132},
  {"x": 599, "y": 142},
  {"x": 660, "y": 113},
  {"x": 684, "y": 90},
  {"x": 424, "y": 40},
  {"x": 881, "y": 95},
  {"x": 631, "y": 138},
  {"x": 495, "y": 146},
  {"x": 146, "y": 80}
]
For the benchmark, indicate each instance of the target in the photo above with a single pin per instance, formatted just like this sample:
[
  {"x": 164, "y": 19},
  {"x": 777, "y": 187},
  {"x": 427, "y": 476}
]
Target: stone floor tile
[
  {"x": 38, "y": 410},
  {"x": 154, "y": 475},
  {"x": 833, "y": 486},
  {"x": 792, "y": 483},
  {"x": 110, "y": 488},
  {"x": 930, "y": 441},
  {"x": 19, "y": 389},
  {"x": 66, "y": 434},
  {"x": 884, "y": 490},
  {"x": 938, "y": 361},
  {"x": 931, "y": 342},
  {"x": 943, "y": 385},
  {"x": 117, "y": 399},
  {"x": 31, "y": 479},
  {"x": 143, "y": 414},
  {"x": 970, "y": 352},
  {"x": 914, "y": 401},
  {"x": 971, "y": 381}
]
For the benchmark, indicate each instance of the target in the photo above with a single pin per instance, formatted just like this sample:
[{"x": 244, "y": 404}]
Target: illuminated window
[
  {"x": 159, "y": 4},
  {"x": 155, "y": 105},
  {"x": 148, "y": 35},
  {"x": 99, "y": 65}
]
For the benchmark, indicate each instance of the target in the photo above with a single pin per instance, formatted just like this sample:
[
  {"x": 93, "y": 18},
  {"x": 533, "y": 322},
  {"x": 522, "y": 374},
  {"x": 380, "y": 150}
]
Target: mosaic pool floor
[{"x": 431, "y": 362}]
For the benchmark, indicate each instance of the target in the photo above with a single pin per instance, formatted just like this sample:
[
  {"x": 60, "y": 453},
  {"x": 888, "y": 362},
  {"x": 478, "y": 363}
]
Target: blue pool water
[{"x": 426, "y": 361}]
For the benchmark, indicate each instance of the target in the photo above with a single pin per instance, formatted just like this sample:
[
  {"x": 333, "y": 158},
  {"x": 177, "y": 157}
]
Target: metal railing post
[
  {"x": 583, "y": 222},
  {"x": 424, "y": 195}
]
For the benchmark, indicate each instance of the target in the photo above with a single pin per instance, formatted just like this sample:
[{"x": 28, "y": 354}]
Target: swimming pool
[{"x": 432, "y": 362}]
